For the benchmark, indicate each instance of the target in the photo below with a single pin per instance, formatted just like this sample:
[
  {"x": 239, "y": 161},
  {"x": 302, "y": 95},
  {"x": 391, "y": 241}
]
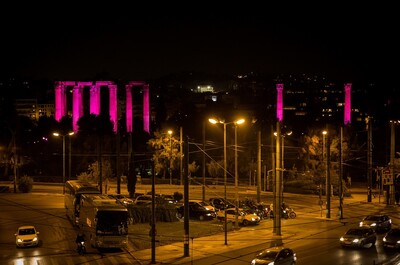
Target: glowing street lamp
[{"x": 63, "y": 138}]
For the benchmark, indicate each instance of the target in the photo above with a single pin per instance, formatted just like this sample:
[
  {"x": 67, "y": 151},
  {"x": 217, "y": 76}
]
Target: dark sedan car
[
  {"x": 363, "y": 237},
  {"x": 196, "y": 211},
  {"x": 377, "y": 222},
  {"x": 276, "y": 256},
  {"x": 392, "y": 239},
  {"x": 220, "y": 203}
]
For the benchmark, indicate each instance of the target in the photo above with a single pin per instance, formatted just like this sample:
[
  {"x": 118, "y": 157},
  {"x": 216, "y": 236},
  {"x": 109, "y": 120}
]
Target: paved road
[{"x": 305, "y": 205}]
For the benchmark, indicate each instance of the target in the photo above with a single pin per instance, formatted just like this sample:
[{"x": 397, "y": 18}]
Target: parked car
[
  {"x": 123, "y": 199},
  {"x": 392, "y": 239},
  {"x": 219, "y": 203},
  {"x": 143, "y": 199},
  {"x": 196, "y": 211},
  {"x": 202, "y": 203},
  {"x": 377, "y": 222},
  {"x": 243, "y": 217},
  {"x": 276, "y": 256},
  {"x": 364, "y": 237},
  {"x": 27, "y": 236}
]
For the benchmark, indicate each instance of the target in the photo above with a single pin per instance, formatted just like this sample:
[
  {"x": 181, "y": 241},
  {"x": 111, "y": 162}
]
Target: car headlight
[
  {"x": 398, "y": 242},
  {"x": 356, "y": 240},
  {"x": 384, "y": 239},
  {"x": 373, "y": 224},
  {"x": 253, "y": 219},
  {"x": 35, "y": 239},
  {"x": 361, "y": 223},
  {"x": 19, "y": 240},
  {"x": 253, "y": 262},
  {"x": 341, "y": 239}
]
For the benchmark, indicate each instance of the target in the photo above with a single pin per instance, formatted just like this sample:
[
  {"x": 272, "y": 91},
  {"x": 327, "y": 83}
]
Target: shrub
[{"x": 25, "y": 184}]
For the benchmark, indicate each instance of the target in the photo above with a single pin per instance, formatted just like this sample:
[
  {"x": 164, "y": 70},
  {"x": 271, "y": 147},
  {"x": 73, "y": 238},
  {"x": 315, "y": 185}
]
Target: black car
[
  {"x": 197, "y": 212},
  {"x": 378, "y": 222},
  {"x": 392, "y": 239},
  {"x": 276, "y": 256},
  {"x": 220, "y": 203},
  {"x": 363, "y": 237}
]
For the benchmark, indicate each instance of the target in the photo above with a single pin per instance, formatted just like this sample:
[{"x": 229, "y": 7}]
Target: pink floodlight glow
[
  {"x": 77, "y": 108},
  {"x": 113, "y": 105},
  {"x": 279, "y": 102},
  {"x": 146, "y": 109},
  {"x": 347, "y": 103},
  {"x": 95, "y": 99},
  {"x": 59, "y": 101},
  {"x": 129, "y": 114}
]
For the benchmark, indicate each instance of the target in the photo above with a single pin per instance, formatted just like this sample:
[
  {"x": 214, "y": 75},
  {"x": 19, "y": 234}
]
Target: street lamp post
[
  {"x": 63, "y": 139},
  {"x": 236, "y": 181},
  {"x": 327, "y": 184},
  {"x": 170, "y": 157},
  {"x": 237, "y": 122}
]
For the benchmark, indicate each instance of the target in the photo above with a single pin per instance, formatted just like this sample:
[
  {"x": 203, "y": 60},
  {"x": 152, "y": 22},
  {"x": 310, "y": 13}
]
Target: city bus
[
  {"x": 72, "y": 197},
  {"x": 104, "y": 221}
]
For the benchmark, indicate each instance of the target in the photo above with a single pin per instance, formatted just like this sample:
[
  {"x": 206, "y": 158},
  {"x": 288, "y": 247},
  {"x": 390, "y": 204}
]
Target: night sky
[{"x": 345, "y": 43}]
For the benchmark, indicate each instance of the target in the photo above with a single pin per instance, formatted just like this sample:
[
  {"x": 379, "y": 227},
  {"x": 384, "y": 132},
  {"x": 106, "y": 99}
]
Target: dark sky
[{"x": 139, "y": 42}]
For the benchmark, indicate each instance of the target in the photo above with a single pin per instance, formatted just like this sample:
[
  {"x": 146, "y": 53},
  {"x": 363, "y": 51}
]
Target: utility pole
[
  {"x": 118, "y": 171},
  {"x": 341, "y": 174},
  {"x": 328, "y": 177},
  {"x": 392, "y": 152},
  {"x": 278, "y": 180},
  {"x": 186, "y": 200},
  {"x": 259, "y": 167},
  {"x": 369, "y": 159},
  {"x": 153, "y": 218},
  {"x": 273, "y": 168},
  {"x": 203, "y": 188},
  {"x": 181, "y": 150}
]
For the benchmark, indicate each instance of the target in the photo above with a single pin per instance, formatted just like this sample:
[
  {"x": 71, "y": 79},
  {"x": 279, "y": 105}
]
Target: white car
[
  {"x": 27, "y": 236},
  {"x": 243, "y": 217}
]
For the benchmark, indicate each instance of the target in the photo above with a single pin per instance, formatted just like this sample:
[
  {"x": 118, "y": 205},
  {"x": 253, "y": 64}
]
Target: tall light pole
[
  {"x": 237, "y": 122},
  {"x": 327, "y": 182},
  {"x": 69, "y": 158},
  {"x": 170, "y": 157},
  {"x": 63, "y": 139}
]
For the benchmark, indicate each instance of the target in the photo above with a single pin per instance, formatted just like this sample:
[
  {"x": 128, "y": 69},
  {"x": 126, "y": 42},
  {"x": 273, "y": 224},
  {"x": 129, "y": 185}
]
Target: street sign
[{"x": 387, "y": 178}]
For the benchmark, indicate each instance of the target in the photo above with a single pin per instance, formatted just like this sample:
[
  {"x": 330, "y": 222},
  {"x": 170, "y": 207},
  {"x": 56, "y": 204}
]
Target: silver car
[
  {"x": 363, "y": 237},
  {"x": 377, "y": 222},
  {"x": 276, "y": 256}
]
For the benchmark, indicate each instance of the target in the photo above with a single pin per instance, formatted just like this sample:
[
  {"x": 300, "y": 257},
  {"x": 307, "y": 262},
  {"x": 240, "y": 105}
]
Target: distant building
[{"x": 31, "y": 109}]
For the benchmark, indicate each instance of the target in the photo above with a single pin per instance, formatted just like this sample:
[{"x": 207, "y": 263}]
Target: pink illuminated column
[
  {"x": 129, "y": 111},
  {"x": 113, "y": 105},
  {"x": 347, "y": 103},
  {"x": 95, "y": 99},
  {"x": 279, "y": 102},
  {"x": 60, "y": 101},
  {"x": 146, "y": 108},
  {"x": 77, "y": 106}
]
